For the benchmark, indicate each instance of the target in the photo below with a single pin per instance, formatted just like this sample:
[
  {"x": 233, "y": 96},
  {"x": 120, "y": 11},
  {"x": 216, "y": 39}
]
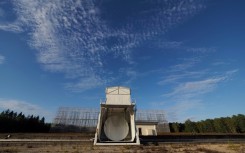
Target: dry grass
[
  {"x": 88, "y": 147},
  {"x": 84, "y": 147}
]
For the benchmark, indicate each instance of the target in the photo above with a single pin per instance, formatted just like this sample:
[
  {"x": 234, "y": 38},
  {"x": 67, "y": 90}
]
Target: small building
[{"x": 146, "y": 128}]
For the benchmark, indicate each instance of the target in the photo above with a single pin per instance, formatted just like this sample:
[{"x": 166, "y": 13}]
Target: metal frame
[{"x": 88, "y": 117}]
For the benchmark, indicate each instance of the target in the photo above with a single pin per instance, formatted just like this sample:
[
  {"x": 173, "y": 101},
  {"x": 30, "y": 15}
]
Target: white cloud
[
  {"x": 169, "y": 44},
  {"x": 73, "y": 37},
  {"x": 130, "y": 73},
  {"x": 195, "y": 88},
  {"x": 2, "y": 59},
  {"x": 176, "y": 78},
  {"x": 22, "y": 106},
  {"x": 219, "y": 63},
  {"x": 201, "y": 50},
  {"x": 186, "y": 64},
  {"x": 187, "y": 87},
  {"x": 84, "y": 84},
  {"x": 231, "y": 72},
  {"x": 10, "y": 27},
  {"x": 177, "y": 112}
]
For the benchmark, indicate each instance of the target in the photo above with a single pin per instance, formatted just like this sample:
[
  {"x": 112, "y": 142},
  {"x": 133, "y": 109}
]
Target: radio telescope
[{"x": 116, "y": 121}]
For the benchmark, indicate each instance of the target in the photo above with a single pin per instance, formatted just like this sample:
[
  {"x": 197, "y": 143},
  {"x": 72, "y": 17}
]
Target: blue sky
[{"x": 185, "y": 57}]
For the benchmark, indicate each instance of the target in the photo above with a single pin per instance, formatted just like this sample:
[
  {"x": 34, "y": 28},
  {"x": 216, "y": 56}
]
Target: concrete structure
[
  {"x": 116, "y": 121},
  {"x": 147, "y": 128}
]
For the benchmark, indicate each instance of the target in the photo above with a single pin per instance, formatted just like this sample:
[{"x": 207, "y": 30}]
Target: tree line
[
  {"x": 11, "y": 121},
  {"x": 234, "y": 124}
]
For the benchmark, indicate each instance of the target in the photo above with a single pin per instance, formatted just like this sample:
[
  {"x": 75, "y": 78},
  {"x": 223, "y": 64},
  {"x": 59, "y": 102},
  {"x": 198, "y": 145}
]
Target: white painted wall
[
  {"x": 147, "y": 129},
  {"x": 118, "y": 96}
]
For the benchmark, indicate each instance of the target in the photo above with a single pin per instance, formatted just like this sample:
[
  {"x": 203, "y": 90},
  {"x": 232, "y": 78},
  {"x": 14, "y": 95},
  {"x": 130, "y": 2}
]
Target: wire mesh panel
[
  {"x": 82, "y": 117},
  {"x": 151, "y": 116},
  {"x": 88, "y": 117}
]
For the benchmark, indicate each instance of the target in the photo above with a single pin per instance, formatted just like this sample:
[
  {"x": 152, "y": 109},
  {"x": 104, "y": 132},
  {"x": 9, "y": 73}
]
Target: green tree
[
  {"x": 175, "y": 127},
  {"x": 239, "y": 121},
  {"x": 190, "y": 126},
  {"x": 10, "y": 121}
]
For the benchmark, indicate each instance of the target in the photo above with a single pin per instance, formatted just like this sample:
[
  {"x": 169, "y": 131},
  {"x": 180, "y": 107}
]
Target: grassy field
[{"x": 87, "y": 146}]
